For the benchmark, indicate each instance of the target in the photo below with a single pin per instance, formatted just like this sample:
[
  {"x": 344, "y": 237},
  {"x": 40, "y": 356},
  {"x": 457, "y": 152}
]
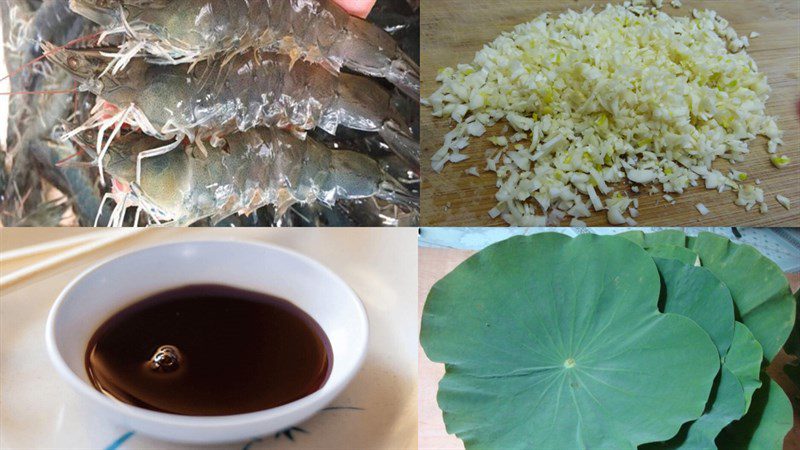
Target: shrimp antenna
[
  {"x": 46, "y": 54},
  {"x": 65, "y": 161}
]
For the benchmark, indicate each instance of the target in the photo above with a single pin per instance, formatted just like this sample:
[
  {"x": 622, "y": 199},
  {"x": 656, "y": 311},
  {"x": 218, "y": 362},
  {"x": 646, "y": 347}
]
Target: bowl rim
[{"x": 324, "y": 395}]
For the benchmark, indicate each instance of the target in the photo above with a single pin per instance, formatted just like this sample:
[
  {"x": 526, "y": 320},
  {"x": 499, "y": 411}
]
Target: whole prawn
[
  {"x": 216, "y": 99},
  {"x": 318, "y": 31},
  {"x": 263, "y": 166}
]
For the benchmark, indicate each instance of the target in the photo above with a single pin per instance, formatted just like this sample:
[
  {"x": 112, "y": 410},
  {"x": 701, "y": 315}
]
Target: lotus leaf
[
  {"x": 739, "y": 377},
  {"x": 655, "y": 239},
  {"x": 744, "y": 361},
  {"x": 664, "y": 244},
  {"x": 697, "y": 294},
  {"x": 759, "y": 288},
  {"x": 666, "y": 237},
  {"x": 682, "y": 254},
  {"x": 725, "y": 403},
  {"x": 766, "y": 423},
  {"x": 553, "y": 342},
  {"x": 635, "y": 236}
]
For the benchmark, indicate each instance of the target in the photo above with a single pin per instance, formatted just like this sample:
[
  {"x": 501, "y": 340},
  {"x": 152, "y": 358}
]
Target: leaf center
[{"x": 569, "y": 363}]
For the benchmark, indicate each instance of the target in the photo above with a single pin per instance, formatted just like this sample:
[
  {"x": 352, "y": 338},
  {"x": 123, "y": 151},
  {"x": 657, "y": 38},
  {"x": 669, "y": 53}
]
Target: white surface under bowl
[{"x": 123, "y": 280}]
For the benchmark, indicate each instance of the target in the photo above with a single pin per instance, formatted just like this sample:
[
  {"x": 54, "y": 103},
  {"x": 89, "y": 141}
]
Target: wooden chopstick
[
  {"x": 45, "y": 264},
  {"x": 50, "y": 246}
]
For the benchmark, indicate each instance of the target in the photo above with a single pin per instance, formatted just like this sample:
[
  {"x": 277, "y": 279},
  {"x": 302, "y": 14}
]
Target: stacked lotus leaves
[{"x": 611, "y": 342}]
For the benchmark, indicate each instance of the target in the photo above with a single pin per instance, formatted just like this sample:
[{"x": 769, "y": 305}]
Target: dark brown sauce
[{"x": 209, "y": 350}]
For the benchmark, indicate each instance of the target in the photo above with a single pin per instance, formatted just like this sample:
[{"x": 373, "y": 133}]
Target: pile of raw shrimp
[{"x": 210, "y": 112}]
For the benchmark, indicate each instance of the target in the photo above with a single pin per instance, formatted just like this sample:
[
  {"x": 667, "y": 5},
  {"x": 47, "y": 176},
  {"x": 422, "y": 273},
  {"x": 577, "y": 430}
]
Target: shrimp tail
[
  {"x": 368, "y": 49},
  {"x": 365, "y": 105},
  {"x": 405, "y": 146},
  {"x": 404, "y": 73},
  {"x": 393, "y": 192}
]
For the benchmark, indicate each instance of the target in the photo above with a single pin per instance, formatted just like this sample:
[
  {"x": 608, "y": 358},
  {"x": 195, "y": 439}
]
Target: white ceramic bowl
[{"x": 103, "y": 290}]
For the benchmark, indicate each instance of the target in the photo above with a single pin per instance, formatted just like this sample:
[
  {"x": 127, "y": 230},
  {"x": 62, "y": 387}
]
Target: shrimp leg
[{"x": 150, "y": 154}]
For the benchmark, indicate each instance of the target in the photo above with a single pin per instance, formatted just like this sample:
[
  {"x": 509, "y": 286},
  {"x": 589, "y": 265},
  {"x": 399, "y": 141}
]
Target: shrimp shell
[
  {"x": 217, "y": 99},
  {"x": 260, "y": 167},
  {"x": 318, "y": 31}
]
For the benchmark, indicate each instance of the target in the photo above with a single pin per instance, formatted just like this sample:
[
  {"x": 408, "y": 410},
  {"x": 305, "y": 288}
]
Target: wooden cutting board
[
  {"x": 453, "y": 30},
  {"x": 435, "y": 263}
]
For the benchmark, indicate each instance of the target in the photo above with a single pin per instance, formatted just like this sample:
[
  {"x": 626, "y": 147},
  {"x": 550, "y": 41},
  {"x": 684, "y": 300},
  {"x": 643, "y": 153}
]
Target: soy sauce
[{"x": 209, "y": 350}]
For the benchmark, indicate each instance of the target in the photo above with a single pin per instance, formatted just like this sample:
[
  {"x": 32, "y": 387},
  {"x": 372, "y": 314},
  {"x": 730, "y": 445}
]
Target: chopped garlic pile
[{"x": 590, "y": 99}]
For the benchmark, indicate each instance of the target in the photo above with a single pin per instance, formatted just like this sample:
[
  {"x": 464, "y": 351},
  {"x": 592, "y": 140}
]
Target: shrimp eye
[{"x": 72, "y": 62}]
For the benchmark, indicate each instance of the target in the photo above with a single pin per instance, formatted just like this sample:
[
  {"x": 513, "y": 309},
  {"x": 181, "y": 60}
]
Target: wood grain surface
[
  {"x": 435, "y": 263},
  {"x": 453, "y": 30}
]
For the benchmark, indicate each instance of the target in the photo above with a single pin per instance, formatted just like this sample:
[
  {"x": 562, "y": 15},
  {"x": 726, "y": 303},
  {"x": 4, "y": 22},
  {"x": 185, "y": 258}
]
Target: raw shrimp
[
  {"x": 319, "y": 31},
  {"x": 26, "y": 197},
  {"x": 263, "y": 166},
  {"x": 167, "y": 102}
]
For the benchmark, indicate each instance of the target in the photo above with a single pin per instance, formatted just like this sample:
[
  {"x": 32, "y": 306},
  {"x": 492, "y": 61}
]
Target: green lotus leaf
[
  {"x": 724, "y": 404},
  {"x": 663, "y": 244},
  {"x": 759, "y": 288},
  {"x": 744, "y": 361},
  {"x": 635, "y": 236},
  {"x": 729, "y": 401},
  {"x": 682, "y": 254},
  {"x": 697, "y": 294},
  {"x": 766, "y": 423},
  {"x": 666, "y": 237},
  {"x": 657, "y": 238},
  {"x": 764, "y": 300},
  {"x": 553, "y": 342}
]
